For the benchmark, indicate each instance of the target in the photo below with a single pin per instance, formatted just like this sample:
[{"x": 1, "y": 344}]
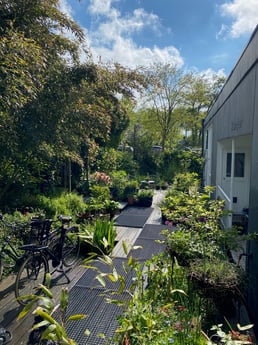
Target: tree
[
  {"x": 31, "y": 40},
  {"x": 164, "y": 94},
  {"x": 198, "y": 95},
  {"x": 31, "y": 45}
]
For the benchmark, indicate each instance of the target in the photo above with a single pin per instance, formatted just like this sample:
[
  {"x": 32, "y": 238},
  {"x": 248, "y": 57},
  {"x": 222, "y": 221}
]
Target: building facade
[{"x": 230, "y": 149}]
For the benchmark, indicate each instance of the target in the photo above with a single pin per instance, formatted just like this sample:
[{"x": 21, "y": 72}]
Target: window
[{"x": 239, "y": 170}]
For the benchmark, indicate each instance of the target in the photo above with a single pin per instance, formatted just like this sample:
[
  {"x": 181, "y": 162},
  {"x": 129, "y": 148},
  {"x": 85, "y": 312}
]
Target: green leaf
[
  {"x": 48, "y": 280},
  {"x": 46, "y": 291},
  {"x": 87, "y": 332},
  {"x": 115, "y": 274},
  {"x": 130, "y": 261},
  {"x": 39, "y": 311},
  {"x": 125, "y": 248},
  {"x": 101, "y": 335},
  {"x": 137, "y": 247},
  {"x": 77, "y": 317},
  {"x": 64, "y": 296},
  {"x": 25, "y": 310},
  {"x": 101, "y": 280},
  {"x": 49, "y": 330},
  {"x": 40, "y": 324},
  {"x": 111, "y": 277}
]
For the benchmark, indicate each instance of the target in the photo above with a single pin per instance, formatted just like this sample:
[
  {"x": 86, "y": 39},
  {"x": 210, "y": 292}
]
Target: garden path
[{"x": 9, "y": 308}]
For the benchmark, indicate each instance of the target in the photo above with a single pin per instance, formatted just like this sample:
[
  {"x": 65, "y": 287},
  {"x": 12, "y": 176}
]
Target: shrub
[
  {"x": 66, "y": 203},
  {"x": 185, "y": 182},
  {"x": 100, "y": 193},
  {"x": 119, "y": 180},
  {"x": 144, "y": 197},
  {"x": 104, "y": 236},
  {"x": 131, "y": 188}
]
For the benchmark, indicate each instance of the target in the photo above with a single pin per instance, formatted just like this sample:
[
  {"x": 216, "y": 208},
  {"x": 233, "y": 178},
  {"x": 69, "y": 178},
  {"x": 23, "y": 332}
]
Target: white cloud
[
  {"x": 210, "y": 73},
  {"x": 65, "y": 8},
  {"x": 128, "y": 54},
  {"x": 244, "y": 14},
  {"x": 224, "y": 29},
  {"x": 101, "y": 7},
  {"x": 112, "y": 38}
]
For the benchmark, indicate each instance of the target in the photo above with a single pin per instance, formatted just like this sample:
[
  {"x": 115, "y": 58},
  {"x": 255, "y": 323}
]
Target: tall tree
[
  {"x": 198, "y": 96},
  {"x": 31, "y": 44},
  {"x": 164, "y": 94},
  {"x": 31, "y": 39}
]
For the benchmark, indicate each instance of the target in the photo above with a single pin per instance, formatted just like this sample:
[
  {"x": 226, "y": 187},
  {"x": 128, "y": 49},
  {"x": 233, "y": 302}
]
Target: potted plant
[
  {"x": 144, "y": 197},
  {"x": 130, "y": 191},
  {"x": 111, "y": 207},
  {"x": 216, "y": 278}
]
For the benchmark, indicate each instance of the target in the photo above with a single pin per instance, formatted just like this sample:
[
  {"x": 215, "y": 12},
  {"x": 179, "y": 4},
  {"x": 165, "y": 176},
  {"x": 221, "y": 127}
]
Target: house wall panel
[
  {"x": 253, "y": 218},
  {"x": 235, "y": 114},
  {"x": 244, "y": 64}
]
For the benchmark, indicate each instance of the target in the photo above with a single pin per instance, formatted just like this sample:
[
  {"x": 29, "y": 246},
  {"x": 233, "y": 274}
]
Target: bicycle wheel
[
  {"x": 31, "y": 273},
  {"x": 71, "y": 247}
]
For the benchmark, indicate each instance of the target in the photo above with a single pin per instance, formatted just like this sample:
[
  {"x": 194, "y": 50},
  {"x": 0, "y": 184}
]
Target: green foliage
[
  {"x": 65, "y": 203},
  {"x": 144, "y": 197},
  {"x": 191, "y": 161},
  {"x": 111, "y": 205},
  {"x": 185, "y": 182},
  {"x": 104, "y": 236},
  {"x": 50, "y": 327},
  {"x": 131, "y": 188},
  {"x": 162, "y": 313},
  {"x": 100, "y": 193},
  {"x": 119, "y": 179},
  {"x": 128, "y": 164},
  {"x": 217, "y": 273}
]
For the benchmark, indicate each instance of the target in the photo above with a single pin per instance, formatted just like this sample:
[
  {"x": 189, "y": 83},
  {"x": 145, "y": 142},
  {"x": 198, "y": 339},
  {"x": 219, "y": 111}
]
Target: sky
[{"x": 204, "y": 36}]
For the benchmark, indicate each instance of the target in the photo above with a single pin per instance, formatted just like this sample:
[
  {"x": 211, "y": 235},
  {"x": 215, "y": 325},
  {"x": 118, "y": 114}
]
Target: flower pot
[{"x": 131, "y": 200}]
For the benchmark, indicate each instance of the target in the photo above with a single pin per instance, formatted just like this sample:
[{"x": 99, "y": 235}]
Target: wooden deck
[
  {"x": 10, "y": 309},
  {"x": 129, "y": 236}
]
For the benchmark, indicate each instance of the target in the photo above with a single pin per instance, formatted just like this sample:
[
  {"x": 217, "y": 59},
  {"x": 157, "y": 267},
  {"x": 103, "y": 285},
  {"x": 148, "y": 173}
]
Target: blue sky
[{"x": 206, "y": 36}]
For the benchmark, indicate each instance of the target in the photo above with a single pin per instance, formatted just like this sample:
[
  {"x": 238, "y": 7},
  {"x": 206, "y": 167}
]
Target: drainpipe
[{"x": 232, "y": 178}]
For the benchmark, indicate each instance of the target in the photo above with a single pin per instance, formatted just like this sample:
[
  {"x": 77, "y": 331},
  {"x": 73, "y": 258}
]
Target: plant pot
[
  {"x": 145, "y": 202},
  {"x": 226, "y": 285},
  {"x": 131, "y": 200}
]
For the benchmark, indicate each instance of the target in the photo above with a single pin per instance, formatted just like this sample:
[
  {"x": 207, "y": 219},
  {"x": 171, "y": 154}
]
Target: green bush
[
  {"x": 66, "y": 204},
  {"x": 118, "y": 183},
  {"x": 131, "y": 188},
  {"x": 104, "y": 236},
  {"x": 144, "y": 197},
  {"x": 185, "y": 182},
  {"x": 100, "y": 193}
]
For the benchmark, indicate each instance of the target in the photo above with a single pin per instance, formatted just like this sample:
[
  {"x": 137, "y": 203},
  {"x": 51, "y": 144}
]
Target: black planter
[{"x": 145, "y": 202}]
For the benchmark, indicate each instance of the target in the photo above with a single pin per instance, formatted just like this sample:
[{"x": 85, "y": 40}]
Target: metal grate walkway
[{"x": 89, "y": 297}]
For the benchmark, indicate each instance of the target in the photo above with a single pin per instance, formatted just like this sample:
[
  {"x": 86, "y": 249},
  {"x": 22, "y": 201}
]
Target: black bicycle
[{"x": 62, "y": 247}]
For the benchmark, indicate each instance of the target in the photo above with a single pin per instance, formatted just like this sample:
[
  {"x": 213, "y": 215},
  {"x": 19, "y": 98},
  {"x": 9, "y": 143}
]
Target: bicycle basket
[{"x": 40, "y": 229}]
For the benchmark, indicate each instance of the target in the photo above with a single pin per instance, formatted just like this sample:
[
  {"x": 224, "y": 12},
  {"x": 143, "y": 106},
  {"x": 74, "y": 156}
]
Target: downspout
[
  {"x": 232, "y": 178},
  {"x": 203, "y": 168}
]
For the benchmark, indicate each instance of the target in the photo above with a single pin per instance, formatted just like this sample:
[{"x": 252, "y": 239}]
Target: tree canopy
[{"x": 53, "y": 107}]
